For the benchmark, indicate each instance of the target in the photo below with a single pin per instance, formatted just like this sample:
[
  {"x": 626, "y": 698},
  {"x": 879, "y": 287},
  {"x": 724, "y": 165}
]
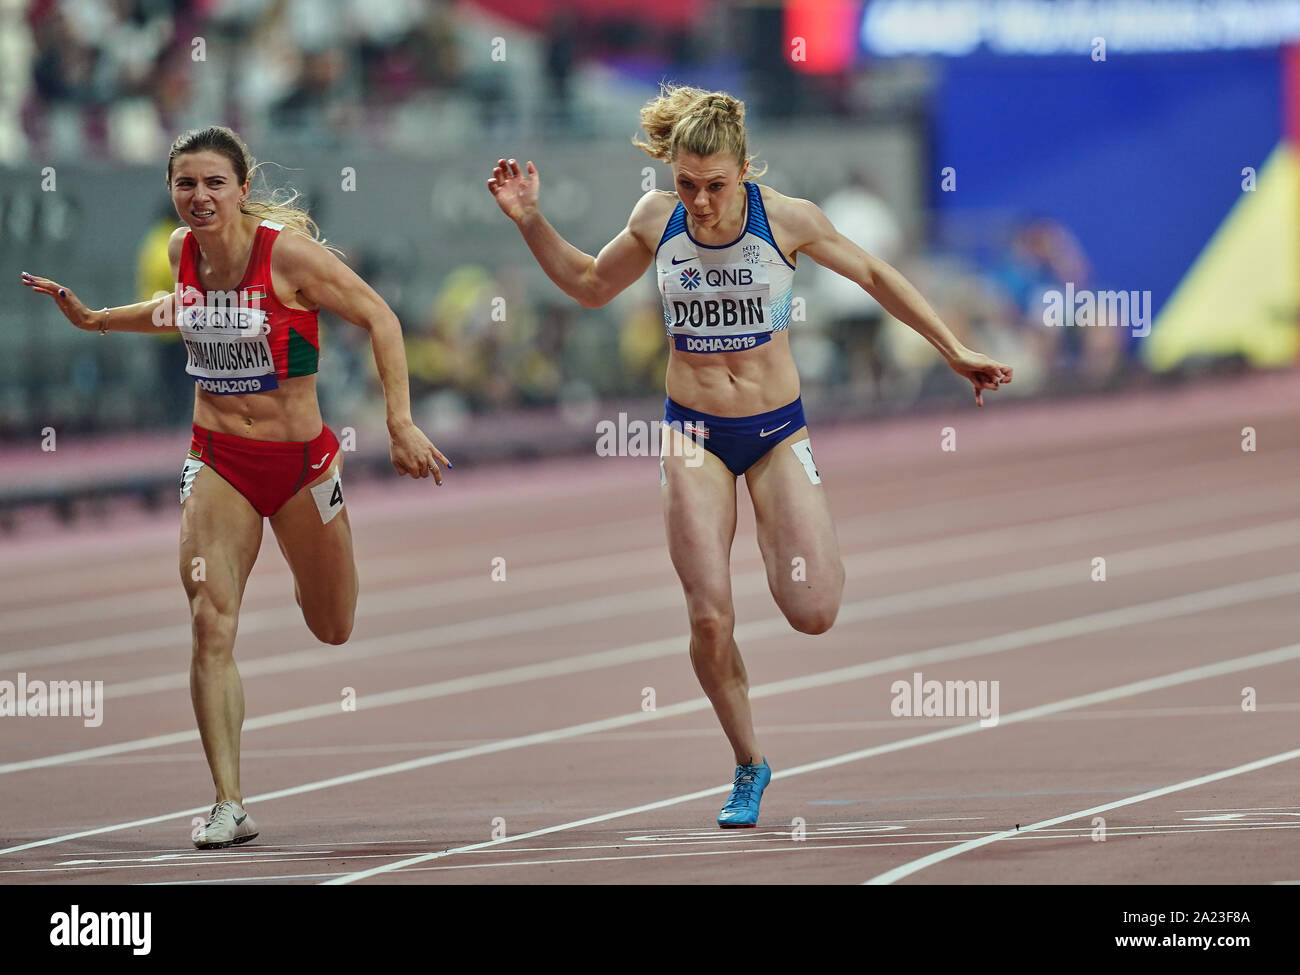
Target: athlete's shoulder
[
  {"x": 788, "y": 209},
  {"x": 175, "y": 244},
  {"x": 797, "y": 219},
  {"x": 294, "y": 249},
  {"x": 655, "y": 205},
  {"x": 650, "y": 215}
]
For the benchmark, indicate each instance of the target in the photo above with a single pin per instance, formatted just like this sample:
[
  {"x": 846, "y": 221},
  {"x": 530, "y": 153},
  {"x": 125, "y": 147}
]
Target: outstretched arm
[
  {"x": 590, "y": 281},
  {"x": 144, "y": 316},
  {"x": 323, "y": 280},
  {"x": 819, "y": 239}
]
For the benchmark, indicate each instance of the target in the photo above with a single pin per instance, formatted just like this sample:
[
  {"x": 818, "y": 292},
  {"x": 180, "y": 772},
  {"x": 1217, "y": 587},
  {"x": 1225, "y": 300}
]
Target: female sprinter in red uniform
[
  {"x": 725, "y": 250},
  {"x": 251, "y": 278}
]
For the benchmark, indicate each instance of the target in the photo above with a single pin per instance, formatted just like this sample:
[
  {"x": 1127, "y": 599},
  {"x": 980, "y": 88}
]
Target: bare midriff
[
  {"x": 734, "y": 384},
  {"x": 290, "y": 412}
]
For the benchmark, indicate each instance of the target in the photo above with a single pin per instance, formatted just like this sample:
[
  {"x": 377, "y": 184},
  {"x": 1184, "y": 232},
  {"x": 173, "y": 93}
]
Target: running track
[{"x": 500, "y": 735}]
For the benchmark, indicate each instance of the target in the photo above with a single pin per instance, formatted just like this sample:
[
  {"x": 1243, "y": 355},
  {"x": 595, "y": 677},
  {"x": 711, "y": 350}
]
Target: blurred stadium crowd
[{"x": 114, "y": 80}]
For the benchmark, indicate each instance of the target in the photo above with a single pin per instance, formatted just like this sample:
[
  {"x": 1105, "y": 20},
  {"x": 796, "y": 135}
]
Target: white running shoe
[{"x": 228, "y": 825}]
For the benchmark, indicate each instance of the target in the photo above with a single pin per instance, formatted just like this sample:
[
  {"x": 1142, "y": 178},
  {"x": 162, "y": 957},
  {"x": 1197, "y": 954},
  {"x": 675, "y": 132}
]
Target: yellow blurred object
[
  {"x": 641, "y": 344},
  {"x": 1242, "y": 294},
  {"x": 153, "y": 269}
]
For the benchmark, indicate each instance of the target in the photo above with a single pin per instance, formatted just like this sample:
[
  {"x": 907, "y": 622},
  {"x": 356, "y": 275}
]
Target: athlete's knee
[
  {"x": 813, "y": 623},
  {"x": 213, "y": 626},
  {"x": 333, "y": 635},
  {"x": 813, "y": 619},
  {"x": 334, "y": 629},
  {"x": 712, "y": 626}
]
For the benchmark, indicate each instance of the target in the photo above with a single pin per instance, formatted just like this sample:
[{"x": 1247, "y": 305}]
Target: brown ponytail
[
  {"x": 281, "y": 206},
  {"x": 695, "y": 121}
]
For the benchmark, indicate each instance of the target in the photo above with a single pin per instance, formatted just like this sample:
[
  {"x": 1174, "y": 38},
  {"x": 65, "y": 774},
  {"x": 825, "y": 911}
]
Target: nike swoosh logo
[
  {"x": 317, "y": 467},
  {"x": 239, "y": 820},
  {"x": 767, "y": 433},
  {"x": 687, "y": 260}
]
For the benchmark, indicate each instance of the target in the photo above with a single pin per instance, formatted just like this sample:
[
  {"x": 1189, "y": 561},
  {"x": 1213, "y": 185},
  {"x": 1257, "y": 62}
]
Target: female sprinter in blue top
[{"x": 724, "y": 249}]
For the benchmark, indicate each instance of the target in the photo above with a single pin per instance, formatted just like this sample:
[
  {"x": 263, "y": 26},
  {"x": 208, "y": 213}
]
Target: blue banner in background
[
  {"x": 956, "y": 28},
  {"x": 1141, "y": 157}
]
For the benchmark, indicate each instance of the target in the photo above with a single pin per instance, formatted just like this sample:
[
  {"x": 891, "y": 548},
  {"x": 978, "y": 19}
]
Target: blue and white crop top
[{"x": 728, "y": 297}]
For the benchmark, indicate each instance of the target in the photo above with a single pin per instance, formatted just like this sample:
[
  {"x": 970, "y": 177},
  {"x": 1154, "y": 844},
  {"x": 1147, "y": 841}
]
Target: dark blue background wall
[{"x": 1140, "y": 156}]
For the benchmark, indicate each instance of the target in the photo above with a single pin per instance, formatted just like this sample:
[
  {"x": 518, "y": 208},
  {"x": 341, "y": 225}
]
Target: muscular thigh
[
  {"x": 221, "y": 534},
  {"x": 795, "y": 532},
  {"x": 319, "y": 552},
  {"x": 699, "y": 498}
]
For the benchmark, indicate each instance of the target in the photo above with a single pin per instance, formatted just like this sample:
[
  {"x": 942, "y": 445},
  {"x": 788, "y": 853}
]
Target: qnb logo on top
[
  {"x": 224, "y": 312},
  {"x": 730, "y": 312},
  {"x": 719, "y": 277},
  {"x": 227, "y": 336}
]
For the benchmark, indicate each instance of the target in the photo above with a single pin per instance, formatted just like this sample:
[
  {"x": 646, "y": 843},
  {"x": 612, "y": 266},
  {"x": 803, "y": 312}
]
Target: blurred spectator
[
  {"x": 391, "y": 81},
  {"x": 561, "y": 45},
  {"x": 853, "y": 318},
  {"x": 1043, "y": 256},
  {"x": 154, "y": 274},
  {"x": 481, "y": 342},
  {"x": 642, "y": 346},
  {"x": 118, "y": 77}
]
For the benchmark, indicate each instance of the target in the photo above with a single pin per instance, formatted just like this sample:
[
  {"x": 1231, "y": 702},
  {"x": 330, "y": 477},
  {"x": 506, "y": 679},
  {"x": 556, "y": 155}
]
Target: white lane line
[
  {"x": 1095, "y": 622},
  {"x": 318, "y": 877},
  {"x": 1208, "y": 548},
  {"x": 117, "y": 606},
  {"x": 907, "y": 869},
  {"x": 454, "y": 592},
  {"x": 819, "y": 826},
  {"x": 271, "y": 879},
  {"x": 1067, "y": 573},
  {"x": 879, "y": 560},
  {"x": 1241, "y": 809},
  {"x": 831, "y": 843},
  {"x": 191, "y": 857},
  {"x": 652, "y": 840},
  {"x": 94, "y": 554},
  {"x": 1251, "y": 661},
  {"x": 523, "y": 578},
  {"x": 524, "y": 863},
  {"x": 195, "y": 859},
  {"x": 703, "y": 734},
  {"x": 251, "y": 852},
  {"x": 798, "y": 847}
]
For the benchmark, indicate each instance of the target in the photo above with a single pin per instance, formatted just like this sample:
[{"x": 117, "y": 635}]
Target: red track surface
[{"x": 971, "y": 565}]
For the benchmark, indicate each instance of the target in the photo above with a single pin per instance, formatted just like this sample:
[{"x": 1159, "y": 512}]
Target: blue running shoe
[{"x": 741, "y": 810}]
